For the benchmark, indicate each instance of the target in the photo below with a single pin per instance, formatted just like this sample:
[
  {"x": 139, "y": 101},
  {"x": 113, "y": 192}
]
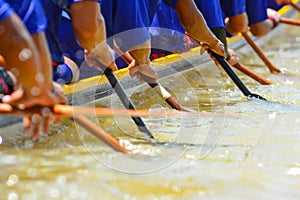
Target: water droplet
[
  {"x": 21, "y": 106},
  {"x": 40, "y": 77},
  {"x": 175, "y": 188},
  {"x": 46, "y": 112},
  {"x": 61, "y": 81},
  {"x": 34, "y": 91},
  {"x": 13, "y": 196},
  {"x": 54, "y": 193},
  {"x": 260, "y": 164},
  {"x": 25, "y": 54},
  {"x": 294, "y": 171},
  {"x": 79, "y": 54},
  {"x": 35, "y": 118},
  {"x": 61, "y": 180},
  {"x": 272, "y": 116},
  {"x": 12, "y": 180},
  {"x": 32, "y": 172}
]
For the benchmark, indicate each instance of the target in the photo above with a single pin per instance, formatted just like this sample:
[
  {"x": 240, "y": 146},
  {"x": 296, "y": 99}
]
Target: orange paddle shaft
[
  {"x": 290, "y": 21},
  {"x": 272, "y": 68}
]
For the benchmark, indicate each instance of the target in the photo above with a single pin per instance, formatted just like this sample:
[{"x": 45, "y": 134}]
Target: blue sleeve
[
  {"x": 256, "y": 11},
  {"x": 5, "y": 10},
  {"x": 233, "y": 7}
]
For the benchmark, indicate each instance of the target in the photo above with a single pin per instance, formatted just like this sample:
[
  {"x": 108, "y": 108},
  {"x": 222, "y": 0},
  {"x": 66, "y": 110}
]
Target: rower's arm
[{"x": 195, "y": 25}]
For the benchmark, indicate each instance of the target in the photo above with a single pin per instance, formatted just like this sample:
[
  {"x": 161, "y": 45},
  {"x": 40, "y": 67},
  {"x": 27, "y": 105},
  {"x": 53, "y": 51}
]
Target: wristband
[{"x": 273, "y": 19}]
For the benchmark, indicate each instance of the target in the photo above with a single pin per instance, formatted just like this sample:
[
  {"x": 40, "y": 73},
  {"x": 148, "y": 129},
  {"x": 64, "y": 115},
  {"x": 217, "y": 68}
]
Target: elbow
[
  {"x": 88, "y": 30},
  {"x": 261, "y": 28}
]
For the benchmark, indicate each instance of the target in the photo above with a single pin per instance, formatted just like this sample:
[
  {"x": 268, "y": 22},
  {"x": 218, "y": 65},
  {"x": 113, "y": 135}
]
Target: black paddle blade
[
  {"x": 114, "y": 82},
  {"x": 235, "y": 78},
  {"x": 256, "y": 96}
]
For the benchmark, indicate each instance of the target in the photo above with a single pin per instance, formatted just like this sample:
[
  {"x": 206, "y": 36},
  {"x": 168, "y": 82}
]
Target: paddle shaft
[
  {"x": 290, "y": 21},
  {"x": 234, "y": 77},
  {"x": 99, "y": 133},
  {"x": 78, "y": 118},
  {"x": 125, "y": 99},
  {"x": 272, "y": 68},
  {"x": 153, "y": 83},
  {"x": 295, "y": 6},
  {"x": 252, "y": 74}
]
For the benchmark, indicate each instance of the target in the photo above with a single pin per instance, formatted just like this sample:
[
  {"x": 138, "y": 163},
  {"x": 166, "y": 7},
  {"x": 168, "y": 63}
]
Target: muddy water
[{"x": 250, "y": 152}]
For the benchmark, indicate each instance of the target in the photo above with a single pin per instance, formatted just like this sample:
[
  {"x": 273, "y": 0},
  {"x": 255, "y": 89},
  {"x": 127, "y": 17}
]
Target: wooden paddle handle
[
  {"x": 252, "y": 74},
  {"x": 99, "y": 133},
  {"x": 272, "y": 68},
  {"x": 295, "y": 6},
  {"x": 289, "y": 21}
]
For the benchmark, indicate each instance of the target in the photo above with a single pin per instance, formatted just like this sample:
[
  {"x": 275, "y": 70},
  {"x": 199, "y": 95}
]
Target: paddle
[
  {"x": 124, "y": 99},
  {"x": 70, "y": 111},
  {"x": 295, "y": 6},
  {"x": 252, "y": 74},
  {"x": 162, "y": 92},
  {"x": 78, "y": 118},
  {"x": 272, "y": 68},
  {"x": 289, "y": 21},
  {"x": 99, "y": 133},
  {"x": 234, "y": 77}
]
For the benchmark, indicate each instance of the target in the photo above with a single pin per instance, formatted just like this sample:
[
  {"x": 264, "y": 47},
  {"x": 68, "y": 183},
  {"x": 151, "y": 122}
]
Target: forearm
[
  {"x": 21, "y": 57},
  {"x": 141, "y": 53},
  {"x": 45, "y": 58},
  {"x": 262, "y": 28},
  {"x": 193, "y": 22},
  {"x": 89, "y": 29}
]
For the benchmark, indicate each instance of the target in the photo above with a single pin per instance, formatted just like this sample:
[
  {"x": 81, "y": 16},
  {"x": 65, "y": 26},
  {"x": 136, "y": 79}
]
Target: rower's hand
[
  {"x": 36, "y": 123},
  {"x": 218, "y": 48},
  {"x": 103, "y": 55},
  {"x": 144, "y": 73}
]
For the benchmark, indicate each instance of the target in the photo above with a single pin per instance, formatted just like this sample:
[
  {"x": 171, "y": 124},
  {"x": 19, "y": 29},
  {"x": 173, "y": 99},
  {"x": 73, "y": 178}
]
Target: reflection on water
[{"x": 257, "y": 155}]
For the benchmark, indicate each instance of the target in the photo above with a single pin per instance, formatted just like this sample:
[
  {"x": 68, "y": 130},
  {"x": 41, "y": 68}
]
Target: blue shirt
[
  {"x": 31, "y": 13},
  {"x": 212, "y": 13},
  {"x": 256, "y": 11},
  {"x": 126, "y": 21},
  {"x": 233, "y": 8},
  {"x": 5, "y": 10}
]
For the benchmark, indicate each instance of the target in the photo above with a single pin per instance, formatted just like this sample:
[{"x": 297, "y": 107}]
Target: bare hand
[
  {"x": 35, "y": 123},
  {"x": 144, "y": 73},
  {"x": 103, "y": 55},
  {"x": 218, "y": 48}
]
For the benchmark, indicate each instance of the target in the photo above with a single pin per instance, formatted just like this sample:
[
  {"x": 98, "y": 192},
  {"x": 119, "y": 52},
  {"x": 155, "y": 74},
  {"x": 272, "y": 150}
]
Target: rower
[
  {"x": 26, "y": 58},
  {"x": 234, "y": 13},
  {"x": 260, "y": 21},
  {"x": 212, "y": 14},
  {"x": 89, "y": 29},
  {"x": 195, "y": 25},
  {"x": 127, "y": 25},
  {"x": 167, "y": 34},
  {"x": 138, "y": 45}
]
